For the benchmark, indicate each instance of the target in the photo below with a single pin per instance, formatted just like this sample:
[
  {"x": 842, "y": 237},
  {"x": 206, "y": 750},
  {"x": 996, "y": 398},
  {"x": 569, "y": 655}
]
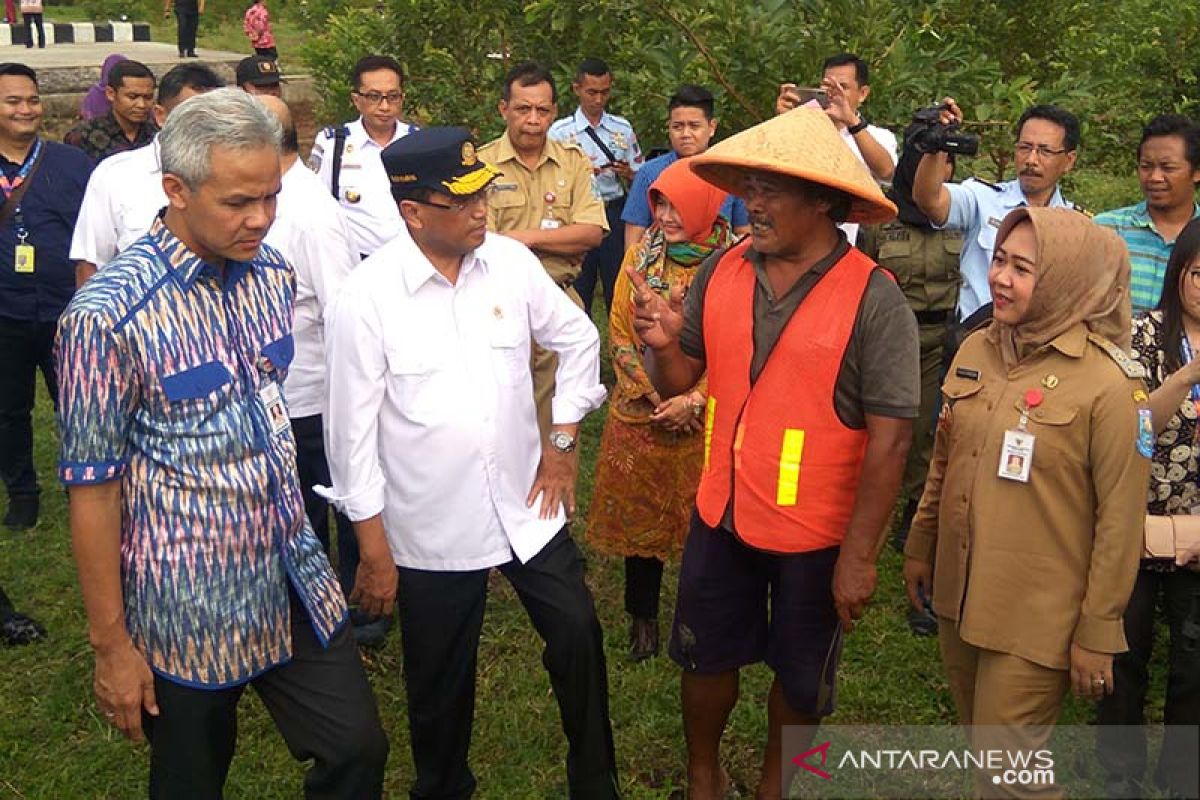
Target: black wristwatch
[{"x": 860, "y": 127}]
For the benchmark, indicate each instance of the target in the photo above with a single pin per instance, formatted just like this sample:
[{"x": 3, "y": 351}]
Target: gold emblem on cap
[
  {"x": 468, "y": 155},
  {"x": 1050, "y": 381},
  {"x": 352, "y": 196}
]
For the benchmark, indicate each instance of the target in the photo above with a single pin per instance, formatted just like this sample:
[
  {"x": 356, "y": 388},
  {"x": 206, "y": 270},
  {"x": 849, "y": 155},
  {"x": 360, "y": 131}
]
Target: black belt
[{"x": 932, "y": 317}]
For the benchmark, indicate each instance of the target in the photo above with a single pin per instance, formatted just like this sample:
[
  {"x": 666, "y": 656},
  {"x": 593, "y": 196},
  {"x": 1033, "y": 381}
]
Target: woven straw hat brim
[{"x": 802, "y": 143}]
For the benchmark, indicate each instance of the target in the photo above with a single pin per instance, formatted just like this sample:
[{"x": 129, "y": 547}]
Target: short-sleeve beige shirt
[{"x": 559, "y": 191}]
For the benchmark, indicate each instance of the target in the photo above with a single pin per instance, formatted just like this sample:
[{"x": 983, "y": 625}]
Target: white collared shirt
[
  {"x": 431, "y": 418},
  {"x": 364, "y": 190},
  {"x": 886, "y": 140},
  {"x": 123, "y": 197},
  {"x": 313, "y": 235}
]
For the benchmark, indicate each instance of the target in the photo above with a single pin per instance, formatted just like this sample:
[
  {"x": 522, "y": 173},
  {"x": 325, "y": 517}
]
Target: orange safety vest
[{"x": 778, "y": 447}]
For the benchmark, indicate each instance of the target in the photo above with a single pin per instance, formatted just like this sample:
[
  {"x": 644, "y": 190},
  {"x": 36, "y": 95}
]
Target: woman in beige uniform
[{"x": 1029, "y": 529}]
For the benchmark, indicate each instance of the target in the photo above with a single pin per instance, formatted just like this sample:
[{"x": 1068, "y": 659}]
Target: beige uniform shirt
[
  {"x": 1029, "y": 568},
  {"x": 559, "y": 191}
]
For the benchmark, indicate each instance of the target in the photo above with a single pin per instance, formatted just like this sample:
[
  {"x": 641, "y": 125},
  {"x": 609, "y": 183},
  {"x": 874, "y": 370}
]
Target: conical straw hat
[{"x": 802, "y": 143}]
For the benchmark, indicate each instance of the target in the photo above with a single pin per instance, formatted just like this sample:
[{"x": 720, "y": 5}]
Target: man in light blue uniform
[
  {"x": 611, "y": 144},
  {"x": 1046, "y": 149}
]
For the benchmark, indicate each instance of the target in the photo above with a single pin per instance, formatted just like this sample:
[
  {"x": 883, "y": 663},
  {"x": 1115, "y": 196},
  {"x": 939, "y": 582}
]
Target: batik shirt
[
  {"x": 103, "y": 137},
  {"x": 161, "y": 363}
]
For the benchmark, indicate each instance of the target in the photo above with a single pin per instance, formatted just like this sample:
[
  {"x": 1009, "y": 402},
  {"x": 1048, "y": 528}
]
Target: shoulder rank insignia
[
  {"x": 1083, "y": 210},
  {"x": 1131, "y": 368}
]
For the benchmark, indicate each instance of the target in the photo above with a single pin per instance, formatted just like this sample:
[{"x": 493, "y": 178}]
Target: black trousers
[
  {"x": 605, "y": 260},
  {"x": 187, "y": 21},
  {"x": 314, "y": 469},
  {"x": 30, "y": 21},
  {"x": 320, "y": 701},
  {"x": 441, "y": 614},
  {"x": 643, "y": 584},
  {"x": 1123, "y": 749},
  {"x": 25, "y": 348}
]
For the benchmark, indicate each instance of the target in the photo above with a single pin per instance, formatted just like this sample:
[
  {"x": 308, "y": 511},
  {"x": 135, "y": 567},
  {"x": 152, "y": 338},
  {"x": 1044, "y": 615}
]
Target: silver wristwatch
[{"x": 562, "y": 441}]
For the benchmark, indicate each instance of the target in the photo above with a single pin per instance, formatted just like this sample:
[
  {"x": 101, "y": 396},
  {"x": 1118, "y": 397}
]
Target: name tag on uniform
[
  {"x": 23, "y": 260},
  {"x": 994, "y": 221},
  {"x": 550, "y": 224},
  {"x": 1016, "y": 456},
  {"x": 272, "y": 402}
]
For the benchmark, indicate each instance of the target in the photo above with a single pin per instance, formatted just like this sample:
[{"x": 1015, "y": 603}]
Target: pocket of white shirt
[
  {"x": 419, "y": 386},
  {"x": 510, "y": 359}
]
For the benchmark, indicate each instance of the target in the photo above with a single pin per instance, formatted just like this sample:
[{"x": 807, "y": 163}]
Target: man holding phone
[
  {"x": 612, "y": 146},
  {"x": 845, "y": 82}
]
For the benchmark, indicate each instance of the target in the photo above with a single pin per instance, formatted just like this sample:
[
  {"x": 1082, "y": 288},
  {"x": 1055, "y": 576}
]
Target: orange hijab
[{"x": 698, "y": 202}]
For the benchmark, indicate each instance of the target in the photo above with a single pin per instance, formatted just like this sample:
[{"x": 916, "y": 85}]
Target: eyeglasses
[
  {"x": 457, "y": 206},
  {"x": 375, "y": 98},
  {"x": 1194, "y": 277},
  {"x": 1044, "y": 151}
]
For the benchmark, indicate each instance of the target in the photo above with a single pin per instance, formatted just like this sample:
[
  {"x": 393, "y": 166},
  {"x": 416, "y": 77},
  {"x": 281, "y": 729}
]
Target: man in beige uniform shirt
[{"x": 544, "y": 197}]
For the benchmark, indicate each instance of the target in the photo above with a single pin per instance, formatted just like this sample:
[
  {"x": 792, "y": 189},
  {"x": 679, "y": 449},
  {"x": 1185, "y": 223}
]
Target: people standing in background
[
  {"x": 31, "y": 13},
  {"x": 43, "y": 184},
  {"x": 1168, "y": 169},
  {"x": 924, "y": 261},
  {"x": 257, "y": 25},
  {"x": 691, "y": 125},
  {"x": 187, "y": 21},
  {"x": 95, "y": 102},
  {"x": 129, "y": 124},
  {"x": 611, "y": 144}
]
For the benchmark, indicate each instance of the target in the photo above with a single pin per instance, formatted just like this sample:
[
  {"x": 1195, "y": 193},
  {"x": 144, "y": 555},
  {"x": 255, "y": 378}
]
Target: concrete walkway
[{"x": 152, "y": 54}]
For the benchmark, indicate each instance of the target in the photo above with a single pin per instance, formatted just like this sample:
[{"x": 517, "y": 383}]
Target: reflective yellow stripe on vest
[
  {"x": 710, "y": 416},
  {"x": 789, "y": 466}
]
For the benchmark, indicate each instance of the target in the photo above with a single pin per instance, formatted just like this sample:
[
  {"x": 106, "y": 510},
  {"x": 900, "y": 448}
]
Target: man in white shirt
[
  {"x": 435, "y": 453},
  {"x": 313, "y": 235},
  {"x": 846, "y": 80},
  {"x": 346, "y": 157},
  {"x": 125, "y": 191}
]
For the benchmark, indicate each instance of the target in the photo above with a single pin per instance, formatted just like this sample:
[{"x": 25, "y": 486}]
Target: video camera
[{"x": 931, "y": 135}]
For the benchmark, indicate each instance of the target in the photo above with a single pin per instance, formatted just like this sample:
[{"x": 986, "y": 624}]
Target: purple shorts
[{"x": 738, "y": 606}]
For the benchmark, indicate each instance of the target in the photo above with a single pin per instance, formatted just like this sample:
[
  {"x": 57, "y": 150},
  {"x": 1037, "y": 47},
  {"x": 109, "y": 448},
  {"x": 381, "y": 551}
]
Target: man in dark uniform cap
[
  {"x": 427, "y": 348},
  {"x": 259, "y": 75}
]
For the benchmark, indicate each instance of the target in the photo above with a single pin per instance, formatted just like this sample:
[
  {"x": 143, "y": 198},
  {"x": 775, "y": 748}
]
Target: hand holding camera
[{"x": 937, "y": 129}]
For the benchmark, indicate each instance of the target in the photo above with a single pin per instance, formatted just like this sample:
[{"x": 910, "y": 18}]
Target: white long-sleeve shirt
[
  {"x": 313, "y": 235},
  {"x": 431, "y": 419},
  {"x": 123, "y": 197}
]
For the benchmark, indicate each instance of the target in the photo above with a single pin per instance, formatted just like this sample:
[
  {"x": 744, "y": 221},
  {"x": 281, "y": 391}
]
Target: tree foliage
[{"x": 1113, "y": 64}]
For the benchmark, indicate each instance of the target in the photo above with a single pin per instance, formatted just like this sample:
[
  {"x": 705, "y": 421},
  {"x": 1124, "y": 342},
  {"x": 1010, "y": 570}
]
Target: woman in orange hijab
[{"x": 652, "y": 449}]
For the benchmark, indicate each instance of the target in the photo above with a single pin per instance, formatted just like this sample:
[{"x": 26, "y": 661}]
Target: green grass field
[{"x": 54, "y": 744}]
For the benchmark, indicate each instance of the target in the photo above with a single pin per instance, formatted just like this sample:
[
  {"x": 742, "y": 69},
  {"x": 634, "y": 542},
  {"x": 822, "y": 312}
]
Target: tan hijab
[{"x": 1082, "y": 276}]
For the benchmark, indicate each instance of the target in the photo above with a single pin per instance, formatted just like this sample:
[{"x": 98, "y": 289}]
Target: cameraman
[{"x": 1047, "y": 141}]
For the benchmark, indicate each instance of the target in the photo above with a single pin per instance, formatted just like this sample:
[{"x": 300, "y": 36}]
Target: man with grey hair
[{"x": 199, "y": 572}]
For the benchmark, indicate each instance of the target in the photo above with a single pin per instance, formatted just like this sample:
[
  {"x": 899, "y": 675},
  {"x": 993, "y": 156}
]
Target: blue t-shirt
[{"x": 637, "y": 205}]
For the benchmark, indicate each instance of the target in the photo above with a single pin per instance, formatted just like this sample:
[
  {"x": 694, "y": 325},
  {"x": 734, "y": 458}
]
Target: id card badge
[
  {"x": 23, "y": 260},
  {"x": 550, "y": 223},
  {"x": 1016, "y": 456},
  {"x": 272, "y": 400}
]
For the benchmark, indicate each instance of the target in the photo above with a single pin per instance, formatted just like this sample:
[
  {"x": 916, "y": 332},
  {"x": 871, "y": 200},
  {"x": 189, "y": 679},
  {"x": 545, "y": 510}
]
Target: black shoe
[
  {"x": 22, "y": 512},
  {"x": 192, "y": 54},
  {"x": 643, "y": 639},
  {"x": 922, "y": 623},
  {"x": 370, "y": 631},
  {"x": 19, "y": 629}
]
